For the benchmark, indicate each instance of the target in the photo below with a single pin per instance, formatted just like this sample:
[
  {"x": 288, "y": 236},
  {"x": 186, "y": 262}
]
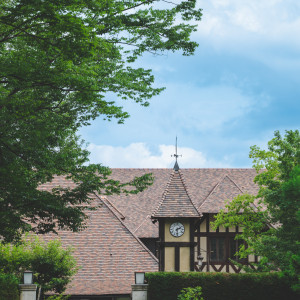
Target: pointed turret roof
[
  {"x": 176, "y": 166},
  {"x": 225, "y": 189},
  {"x": 176, "y": 201}
]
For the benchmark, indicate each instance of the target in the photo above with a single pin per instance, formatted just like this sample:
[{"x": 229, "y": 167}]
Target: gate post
[
  {"x": 139, "y": 291},
  {"x": 27, "y": 291}
]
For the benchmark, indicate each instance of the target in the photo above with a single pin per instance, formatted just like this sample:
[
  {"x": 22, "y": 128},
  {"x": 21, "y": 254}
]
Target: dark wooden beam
[
  {"x": 179, "y": 244},
  {"x": 207, "y": 222},
  {"x": 215, "y": 234},
  {"x": 177, "y": 258},
  {"x": 192, "y": 246},
  {"x": 161, "y": 247}
]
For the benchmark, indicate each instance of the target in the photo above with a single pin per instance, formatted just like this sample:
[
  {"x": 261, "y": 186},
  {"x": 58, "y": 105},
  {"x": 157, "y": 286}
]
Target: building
[{"x": 166, "y": 227}]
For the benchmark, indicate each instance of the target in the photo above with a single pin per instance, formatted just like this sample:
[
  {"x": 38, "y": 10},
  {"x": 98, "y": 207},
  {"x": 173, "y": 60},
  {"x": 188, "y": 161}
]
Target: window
[
  {"x": 217, "y": 249},
  {"x": 224, "y": 248},
  {"x": 234, "y": 246}
]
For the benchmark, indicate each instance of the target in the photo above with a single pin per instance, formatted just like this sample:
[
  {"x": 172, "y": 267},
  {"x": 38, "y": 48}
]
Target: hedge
[
  {"x": 220, "y": 286},
  {"x": 9, "y": 289}
]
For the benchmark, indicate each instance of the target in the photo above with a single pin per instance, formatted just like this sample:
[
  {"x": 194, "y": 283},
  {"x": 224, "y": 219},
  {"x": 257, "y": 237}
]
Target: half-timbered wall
[
  {"x": 217, "y": 247},
  {"x": 176, "y": 253}
]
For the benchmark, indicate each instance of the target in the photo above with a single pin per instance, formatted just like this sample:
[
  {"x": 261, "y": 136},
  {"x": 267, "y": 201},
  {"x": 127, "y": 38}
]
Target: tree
[
  {"x": 9, "y": 287},
  {"x": 277, "y": 205},
  {"x": 52, "y": 265},
  {"x": 60, "y": 63}
]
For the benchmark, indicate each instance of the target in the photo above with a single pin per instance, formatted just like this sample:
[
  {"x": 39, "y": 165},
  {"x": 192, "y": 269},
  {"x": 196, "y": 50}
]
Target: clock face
[{"x": 177, "y": 229}]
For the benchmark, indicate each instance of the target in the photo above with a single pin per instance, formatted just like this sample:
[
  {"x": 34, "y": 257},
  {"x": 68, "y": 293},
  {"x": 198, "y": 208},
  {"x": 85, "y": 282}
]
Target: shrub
[
  {"x": 191, "y": 294},
  {"x": 9, "y": 287},
  {"x": 58, "y": 297},
  {"x": 220, "y": 286}
]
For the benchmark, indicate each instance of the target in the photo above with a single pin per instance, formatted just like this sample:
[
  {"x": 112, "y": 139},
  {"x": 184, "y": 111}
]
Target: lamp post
[
  {"x": 200, "y": 259},
  {"x": 28, "y": 277},
  {"x": 139, "y": 277}
]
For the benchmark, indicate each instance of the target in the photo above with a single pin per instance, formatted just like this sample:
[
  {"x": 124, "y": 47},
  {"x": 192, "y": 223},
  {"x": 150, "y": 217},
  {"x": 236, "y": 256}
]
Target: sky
[{"x": 242, "y": 84}]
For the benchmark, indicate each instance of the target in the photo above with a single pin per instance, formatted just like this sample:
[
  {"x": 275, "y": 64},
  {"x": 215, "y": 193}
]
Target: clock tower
[{"x": 176, "y": 214}]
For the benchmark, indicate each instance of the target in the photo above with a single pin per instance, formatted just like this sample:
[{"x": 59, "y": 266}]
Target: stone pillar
[
  {"x": 27, "y": 291},
  {"x": 139, "y": 291}
]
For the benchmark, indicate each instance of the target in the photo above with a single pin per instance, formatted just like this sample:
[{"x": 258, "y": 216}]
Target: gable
[{"x": 224, "y": 191}]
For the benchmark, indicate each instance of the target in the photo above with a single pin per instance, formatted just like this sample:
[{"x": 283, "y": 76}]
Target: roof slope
[
  {"x": 176, "y": 201},
  {"x": 136, "y": 208},
  {"x": 108, "y": 254},
  {"x": 200, "y": 183},
  {"x": 226, "y": 189}
]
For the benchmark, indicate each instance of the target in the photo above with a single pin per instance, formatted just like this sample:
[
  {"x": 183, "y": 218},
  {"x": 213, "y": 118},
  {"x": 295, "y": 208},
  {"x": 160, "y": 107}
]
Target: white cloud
[
  {"x": 236, "y": 24},
  {"x": 209, "y": 108},
  {"x": 246, "y": 19},
  {"x": 185, "y": 109},
  {"x": 138, "y": 155}
]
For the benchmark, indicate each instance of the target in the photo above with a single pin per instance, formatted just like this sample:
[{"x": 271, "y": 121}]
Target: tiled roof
[
  {"x": 176, "y": 201},
  {"x": 226, "y": 189},
  {"x": 108, "y": 254},
  {"x": 109, "y": 251},
  {"x": 143, "y": 229},
  {"x": 199, "y": 183}
]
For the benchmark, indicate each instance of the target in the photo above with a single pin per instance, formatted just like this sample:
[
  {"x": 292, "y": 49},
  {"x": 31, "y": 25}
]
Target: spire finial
[{"x": 176, "y": 166}]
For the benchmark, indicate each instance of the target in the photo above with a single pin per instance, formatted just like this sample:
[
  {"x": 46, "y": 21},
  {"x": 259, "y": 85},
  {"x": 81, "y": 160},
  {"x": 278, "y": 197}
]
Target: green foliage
[
  {"x": 58, "y": 297},
  {"x": 190, "y": 294},
  {"x": 217, "y": 286},
  {"x": 8, "y": 287},
  {"x": 52, "y": 265},
  {"x": 277, "y": 204},
  {"x": 61, "y": 64},
  {"x": 253, "y": 220}
]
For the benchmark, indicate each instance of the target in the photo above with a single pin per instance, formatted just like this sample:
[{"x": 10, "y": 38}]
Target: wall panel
[{"x": 170, "y": 259}]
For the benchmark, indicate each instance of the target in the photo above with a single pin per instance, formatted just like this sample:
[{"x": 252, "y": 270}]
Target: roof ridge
[
  {"x": 163, "y": 195},
  {"x": 119, "y": 212},
  {"x": 137, "y": 239},
  {"x": 211, "y": 191},
  {"x": 234, "y": 182},
  {"x": 147, "y": 217},
  {"x": 216, "y": 186},
  {"x": 187, "y": 192}
]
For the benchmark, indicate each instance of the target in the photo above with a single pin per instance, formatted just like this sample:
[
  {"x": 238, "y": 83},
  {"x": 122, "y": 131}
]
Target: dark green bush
[
  {"x": 9, "y": 287},
  {"x": 221, "y": 286}
]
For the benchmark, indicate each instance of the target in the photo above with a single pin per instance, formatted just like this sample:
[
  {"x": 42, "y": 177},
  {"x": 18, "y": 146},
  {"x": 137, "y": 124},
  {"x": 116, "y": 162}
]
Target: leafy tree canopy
[
  {"x": 61, "y": 62},
  {"x": 51, "y": 264},
  {"x": 277, "y": 205}
]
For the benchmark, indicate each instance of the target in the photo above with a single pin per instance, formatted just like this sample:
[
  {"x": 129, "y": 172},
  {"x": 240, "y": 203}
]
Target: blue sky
[{"x": 242, "y": 84}]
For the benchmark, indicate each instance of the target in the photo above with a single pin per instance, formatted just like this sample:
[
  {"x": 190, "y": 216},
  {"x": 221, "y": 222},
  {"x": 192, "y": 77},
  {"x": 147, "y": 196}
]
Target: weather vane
[{"x": 176, "y": 155}]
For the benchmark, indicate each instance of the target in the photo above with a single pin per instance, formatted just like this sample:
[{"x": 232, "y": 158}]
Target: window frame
[
  {"x": 218, "y": 249},
  {"x": 228, "y": 252}
]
